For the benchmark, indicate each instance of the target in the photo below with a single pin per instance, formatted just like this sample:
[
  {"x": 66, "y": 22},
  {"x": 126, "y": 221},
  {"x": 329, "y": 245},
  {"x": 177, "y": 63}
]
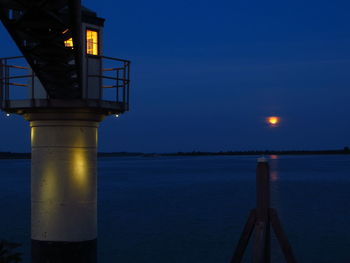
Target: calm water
[{"x": 192, "y": 209}]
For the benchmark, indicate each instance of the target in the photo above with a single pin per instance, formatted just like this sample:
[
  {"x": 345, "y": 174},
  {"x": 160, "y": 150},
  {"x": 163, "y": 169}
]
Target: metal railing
[
  {"x": 113, "y": 77},
  {"x": 14, "y": 73},
  {"x": 9, "y": 78}
]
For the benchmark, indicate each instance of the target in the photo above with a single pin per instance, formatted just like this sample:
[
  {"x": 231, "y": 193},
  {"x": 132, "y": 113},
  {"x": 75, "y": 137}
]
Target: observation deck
[{"x": 21, "y": 90}]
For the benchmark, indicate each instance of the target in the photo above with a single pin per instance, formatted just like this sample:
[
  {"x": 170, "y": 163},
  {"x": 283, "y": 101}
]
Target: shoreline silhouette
[{"x": 345, "y": 150}]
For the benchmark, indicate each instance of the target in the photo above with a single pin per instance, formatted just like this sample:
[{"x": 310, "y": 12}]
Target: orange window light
[
  {"x": 91, "y": 42},
  {"x": 69, "y": 43}
]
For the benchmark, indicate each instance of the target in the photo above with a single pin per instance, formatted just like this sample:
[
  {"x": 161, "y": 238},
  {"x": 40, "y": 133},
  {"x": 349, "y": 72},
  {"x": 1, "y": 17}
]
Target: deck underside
[{"x": 21, "y": 106}]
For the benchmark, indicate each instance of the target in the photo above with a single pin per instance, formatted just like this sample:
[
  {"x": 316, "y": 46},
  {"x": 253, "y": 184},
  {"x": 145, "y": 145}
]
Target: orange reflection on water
[
  {"x": 274, "y": 176},
  {"x": 274, "y": 157}
]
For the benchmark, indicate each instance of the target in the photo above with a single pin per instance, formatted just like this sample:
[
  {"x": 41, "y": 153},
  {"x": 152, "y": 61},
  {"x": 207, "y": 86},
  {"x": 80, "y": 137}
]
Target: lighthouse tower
[{"x": 64, "y": 87}]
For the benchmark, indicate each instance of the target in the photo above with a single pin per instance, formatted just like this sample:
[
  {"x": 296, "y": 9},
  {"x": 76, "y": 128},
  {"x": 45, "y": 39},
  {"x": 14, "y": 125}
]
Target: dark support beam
[
  {"x": 245, "y": 236},
  {"x": 7, "y": 24},
  {"x": 76, "y": 18},
  {"x": 37, "y": 28},
  {"x": 282, "y": 237}
]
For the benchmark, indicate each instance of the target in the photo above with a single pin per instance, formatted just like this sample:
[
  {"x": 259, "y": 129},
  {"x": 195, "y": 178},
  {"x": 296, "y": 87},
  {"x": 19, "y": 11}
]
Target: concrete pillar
[{"x": 63, "y": 185}]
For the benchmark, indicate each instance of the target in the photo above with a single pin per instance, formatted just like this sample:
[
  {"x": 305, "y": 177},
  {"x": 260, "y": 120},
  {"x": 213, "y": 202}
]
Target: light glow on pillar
[
  {"x": 83, "y": 176},
  {"x": 49, "y": 189},
  {"x": 79, "y": 164}
]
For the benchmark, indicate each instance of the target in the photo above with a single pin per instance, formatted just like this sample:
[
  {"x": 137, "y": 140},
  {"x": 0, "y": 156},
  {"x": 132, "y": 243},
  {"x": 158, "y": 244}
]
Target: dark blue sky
[{"x": 205, "y": 74}]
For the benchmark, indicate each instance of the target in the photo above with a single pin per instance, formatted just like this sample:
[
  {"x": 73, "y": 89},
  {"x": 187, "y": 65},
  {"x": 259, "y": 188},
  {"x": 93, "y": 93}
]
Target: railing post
[
  {"x": 117, "y": 85},
  {"x": 2, "y": 82},
  {"x": 124, "y": 84},
  {"x": 100, "y": 79},
  {"x": 128, "y": 86},
  {"x": 7, "y": 84},
  {"x": 32, "y": 89},
  {"x": 87, "y": 79}
]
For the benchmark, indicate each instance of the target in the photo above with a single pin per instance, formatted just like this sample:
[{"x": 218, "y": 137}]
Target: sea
[{"x": 193, "y": 209}]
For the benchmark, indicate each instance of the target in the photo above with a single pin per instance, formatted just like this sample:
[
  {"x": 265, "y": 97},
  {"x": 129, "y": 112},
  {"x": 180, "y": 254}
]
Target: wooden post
[
  {"x": 262, "y": 190},
  {"x": 261, "y": 248},
  {"x": 261, "y": 219}
]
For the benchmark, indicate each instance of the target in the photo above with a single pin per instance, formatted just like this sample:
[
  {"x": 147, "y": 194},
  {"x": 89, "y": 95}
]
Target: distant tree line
[{"x": 345, "y": 150}]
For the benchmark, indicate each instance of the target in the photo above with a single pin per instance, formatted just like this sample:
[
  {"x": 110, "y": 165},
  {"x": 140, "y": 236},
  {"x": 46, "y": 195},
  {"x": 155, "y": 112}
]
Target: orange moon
[{"x": 273, "y": 121}]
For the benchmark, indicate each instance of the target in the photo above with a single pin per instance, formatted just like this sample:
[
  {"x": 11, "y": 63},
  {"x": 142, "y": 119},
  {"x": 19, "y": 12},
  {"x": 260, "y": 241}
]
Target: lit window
[
  {"x": 69, "y": 43},
  {"x": 91, "y": 42}
]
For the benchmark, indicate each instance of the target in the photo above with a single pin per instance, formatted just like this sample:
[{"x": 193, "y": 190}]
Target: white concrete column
[{"x": 63, "y": 180}]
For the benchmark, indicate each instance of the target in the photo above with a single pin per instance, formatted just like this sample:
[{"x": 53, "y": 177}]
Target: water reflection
[
  {"x": 274, "y": 180},
  {"x": 184, "y": 207},
  {"x": 274, "y": 174},
  {"x": 274, "y": 157}
]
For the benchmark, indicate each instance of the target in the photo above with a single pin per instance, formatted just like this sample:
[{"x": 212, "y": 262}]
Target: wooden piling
[{"x": 261, "y": 219}]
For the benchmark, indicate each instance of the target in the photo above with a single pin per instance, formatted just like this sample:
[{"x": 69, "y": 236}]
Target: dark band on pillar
[{"x": 64, "y": 252}]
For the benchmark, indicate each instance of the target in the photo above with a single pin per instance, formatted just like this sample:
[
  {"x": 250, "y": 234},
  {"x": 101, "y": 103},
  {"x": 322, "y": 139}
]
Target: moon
[{"x": 273, "y": 121}]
